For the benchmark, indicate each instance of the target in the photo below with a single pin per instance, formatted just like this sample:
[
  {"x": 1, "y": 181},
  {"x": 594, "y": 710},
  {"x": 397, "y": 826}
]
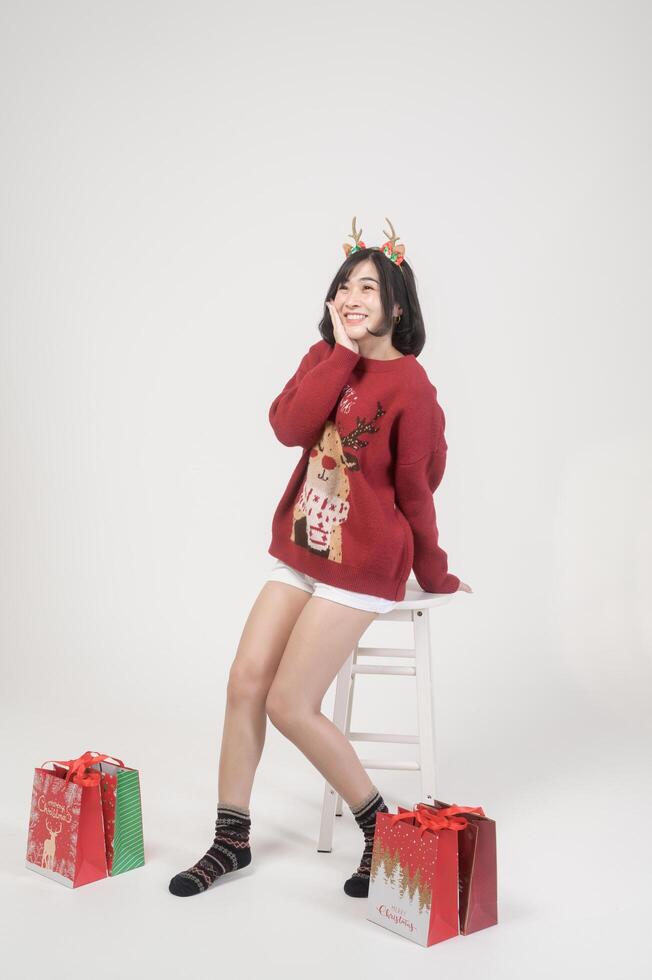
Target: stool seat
[
  {"x": 415, "y": 610},
  {"x": 416, "y": 598}
]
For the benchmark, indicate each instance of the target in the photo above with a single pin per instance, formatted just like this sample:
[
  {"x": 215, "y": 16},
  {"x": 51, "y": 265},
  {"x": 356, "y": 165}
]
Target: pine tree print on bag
[{"x": 322, "y": 506}]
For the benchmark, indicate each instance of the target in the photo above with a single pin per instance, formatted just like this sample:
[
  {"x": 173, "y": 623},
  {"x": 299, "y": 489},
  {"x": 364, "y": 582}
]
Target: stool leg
[
  {"x": 421, "y": 621},
  {"x": 342, "y": 689}
]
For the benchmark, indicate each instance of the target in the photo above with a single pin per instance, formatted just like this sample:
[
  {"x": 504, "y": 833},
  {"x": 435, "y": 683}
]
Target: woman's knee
[
  {"x": 282, "y": 708},
  {"x": 247, "y": 683}
]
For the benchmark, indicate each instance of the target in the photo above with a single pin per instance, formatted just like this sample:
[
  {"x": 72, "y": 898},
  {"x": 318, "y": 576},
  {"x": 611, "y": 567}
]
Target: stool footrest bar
[
  {"x": 390, "y": 764},
  {"x": 381, "y": 737},
  {"x": 386, "y": 652}
]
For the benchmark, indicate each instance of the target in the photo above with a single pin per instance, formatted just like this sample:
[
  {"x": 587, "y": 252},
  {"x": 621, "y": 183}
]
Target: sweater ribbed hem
[
  {"x": 345, "y": 577},
  {"x": 339, "y": 575}
]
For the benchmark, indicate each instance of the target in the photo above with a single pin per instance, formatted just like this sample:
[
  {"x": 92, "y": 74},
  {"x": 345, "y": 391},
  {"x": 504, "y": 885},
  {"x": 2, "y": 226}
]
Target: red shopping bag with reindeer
[{"x": 66, "y": 825}]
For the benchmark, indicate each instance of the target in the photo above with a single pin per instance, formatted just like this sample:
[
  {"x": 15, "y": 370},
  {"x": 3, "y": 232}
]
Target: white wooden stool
[{"x": 414, "y": 609}]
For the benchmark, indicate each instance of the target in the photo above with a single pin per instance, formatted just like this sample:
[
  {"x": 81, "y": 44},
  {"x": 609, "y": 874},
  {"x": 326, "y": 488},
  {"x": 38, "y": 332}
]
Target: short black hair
[{"x": 397, "y": 285}]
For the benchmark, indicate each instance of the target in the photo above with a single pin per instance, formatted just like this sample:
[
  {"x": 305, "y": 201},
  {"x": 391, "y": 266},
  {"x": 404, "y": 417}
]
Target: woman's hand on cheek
[{"x": 340, "y": 334}]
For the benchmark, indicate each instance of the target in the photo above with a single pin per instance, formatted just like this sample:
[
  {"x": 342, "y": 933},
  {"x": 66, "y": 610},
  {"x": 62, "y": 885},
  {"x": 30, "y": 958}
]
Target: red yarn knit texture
[{"x": 358, "y": 512}]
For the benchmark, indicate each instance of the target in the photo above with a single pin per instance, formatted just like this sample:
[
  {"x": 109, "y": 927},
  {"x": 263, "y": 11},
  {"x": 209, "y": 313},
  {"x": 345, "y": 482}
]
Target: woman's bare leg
[
  {"x": 263, "y": 641},
  {"x": 322, "y": 638},
  {"x": 261, "y": 646}
]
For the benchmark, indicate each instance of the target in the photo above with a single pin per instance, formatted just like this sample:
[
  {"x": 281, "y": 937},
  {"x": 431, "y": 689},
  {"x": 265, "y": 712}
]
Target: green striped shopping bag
[{"x": 123, "y": 821}]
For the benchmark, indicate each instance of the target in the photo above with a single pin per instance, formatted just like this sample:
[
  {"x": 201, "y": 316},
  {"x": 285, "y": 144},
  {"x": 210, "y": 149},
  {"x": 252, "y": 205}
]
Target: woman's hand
[
  {"x": 340, "y": 334},
  {"x": 463, "y": 587}
]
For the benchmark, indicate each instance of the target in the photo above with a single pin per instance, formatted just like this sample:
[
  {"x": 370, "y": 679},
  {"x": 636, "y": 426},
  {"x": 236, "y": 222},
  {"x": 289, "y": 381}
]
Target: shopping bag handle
[
  {"x": 102, "y": 757},
  {"x": 77, "y": 768}
]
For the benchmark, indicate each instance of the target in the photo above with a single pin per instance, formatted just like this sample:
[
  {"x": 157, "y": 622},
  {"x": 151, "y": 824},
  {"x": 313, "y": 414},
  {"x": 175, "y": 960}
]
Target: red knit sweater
[{"x": 358, "y": 512}]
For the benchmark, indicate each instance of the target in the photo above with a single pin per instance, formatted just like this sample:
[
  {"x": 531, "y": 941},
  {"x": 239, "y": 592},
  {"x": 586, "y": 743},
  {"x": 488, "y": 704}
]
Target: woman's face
[{"x": 358, "y": 301}]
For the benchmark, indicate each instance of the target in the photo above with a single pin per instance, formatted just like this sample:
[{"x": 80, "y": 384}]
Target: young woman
[{"x": 356, "y": 517}]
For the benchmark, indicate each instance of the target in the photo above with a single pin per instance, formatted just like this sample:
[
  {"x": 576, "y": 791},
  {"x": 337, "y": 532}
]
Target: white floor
[{"x": 573, "y": 862}]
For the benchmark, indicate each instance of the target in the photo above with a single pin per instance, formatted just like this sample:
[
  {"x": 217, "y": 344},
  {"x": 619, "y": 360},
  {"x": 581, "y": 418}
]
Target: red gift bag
[
  {"x": 413, "y": 882},
  {"x": 66, "y": 827},
  {"x": 476, "y": 846}
]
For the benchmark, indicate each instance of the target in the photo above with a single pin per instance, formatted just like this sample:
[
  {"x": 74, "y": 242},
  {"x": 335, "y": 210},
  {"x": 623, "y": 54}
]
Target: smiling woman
[{"x": 356, "y": 516}]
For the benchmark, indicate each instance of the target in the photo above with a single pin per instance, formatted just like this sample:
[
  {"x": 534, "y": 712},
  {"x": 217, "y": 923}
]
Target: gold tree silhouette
[
  {"x": 387, "y": 864},
  {"x": 376, "y": 858},
  {"x": 427, "y": 896},
  {"x": 414, "y": 884},
  {"x": 396, "y": 867},
  {"x": 391, "y": 864},
  {"x": 405, "y": 879}
]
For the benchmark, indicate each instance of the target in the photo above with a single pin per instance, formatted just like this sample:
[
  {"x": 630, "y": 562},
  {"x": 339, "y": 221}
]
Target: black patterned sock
[
  {"x": 365, "y": 815},
  {"x": 229, "y": 852}
]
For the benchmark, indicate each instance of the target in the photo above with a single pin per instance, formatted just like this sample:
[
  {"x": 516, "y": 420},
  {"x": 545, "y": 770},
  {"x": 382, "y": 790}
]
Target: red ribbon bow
[
  {"x": 77, "y": 768},
  {"x": 442, "y": 819}
]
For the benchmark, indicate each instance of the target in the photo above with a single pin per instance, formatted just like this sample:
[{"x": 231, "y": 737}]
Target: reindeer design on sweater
[{"x": 322, "y": 506}]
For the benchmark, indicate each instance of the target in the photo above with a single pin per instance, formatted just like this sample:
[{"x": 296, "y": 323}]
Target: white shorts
[{"x": 281, "y": 572}]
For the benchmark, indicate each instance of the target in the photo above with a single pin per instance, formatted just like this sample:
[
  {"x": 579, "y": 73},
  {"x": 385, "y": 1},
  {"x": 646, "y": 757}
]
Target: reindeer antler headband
[{"x": 393, "y": 251}]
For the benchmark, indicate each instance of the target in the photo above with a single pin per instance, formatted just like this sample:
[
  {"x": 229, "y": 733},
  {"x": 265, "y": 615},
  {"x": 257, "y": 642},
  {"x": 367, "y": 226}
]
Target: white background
[{"x": 177, "y": 180}]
